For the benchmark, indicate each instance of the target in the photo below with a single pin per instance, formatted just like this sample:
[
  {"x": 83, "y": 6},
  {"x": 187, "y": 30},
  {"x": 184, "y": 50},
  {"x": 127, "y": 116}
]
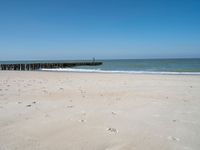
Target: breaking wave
[{"x": 118, "y": 71}]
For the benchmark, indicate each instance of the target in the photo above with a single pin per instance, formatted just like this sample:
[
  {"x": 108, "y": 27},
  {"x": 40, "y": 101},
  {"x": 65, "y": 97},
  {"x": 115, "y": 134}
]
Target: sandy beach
[{"x": 91, "y": 111}]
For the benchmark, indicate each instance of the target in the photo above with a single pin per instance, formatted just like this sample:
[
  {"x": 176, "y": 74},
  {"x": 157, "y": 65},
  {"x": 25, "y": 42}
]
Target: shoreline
[
  {"x": 114, "y": 72},
  {"x": 119, "y": 72}
]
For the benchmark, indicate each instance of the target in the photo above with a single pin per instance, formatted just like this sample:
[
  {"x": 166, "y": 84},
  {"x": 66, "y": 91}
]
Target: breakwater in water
[{"x": 37, "y": 66}]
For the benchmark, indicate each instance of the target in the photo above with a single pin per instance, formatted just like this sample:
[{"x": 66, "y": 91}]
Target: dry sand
[{"x": 89, "y": 111}]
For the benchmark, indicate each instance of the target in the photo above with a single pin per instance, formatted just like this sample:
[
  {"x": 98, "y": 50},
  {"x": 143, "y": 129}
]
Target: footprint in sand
[
  {"x": 113, "y": 113},
  {"x": 172, "y": 138},
  {"x": 46, "y": 116},
  {"x": 83, "y": 113},
  {"x": 82, "y": 120},
  {"x": 70, "y": 106},
  {"x": 118, "y": 98},
  {"x": 45, "y": 91},
  {"x": 113, "y": 130}
]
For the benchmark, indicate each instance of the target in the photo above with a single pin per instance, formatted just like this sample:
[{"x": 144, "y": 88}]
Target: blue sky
[{"x": 108, "y": 29}]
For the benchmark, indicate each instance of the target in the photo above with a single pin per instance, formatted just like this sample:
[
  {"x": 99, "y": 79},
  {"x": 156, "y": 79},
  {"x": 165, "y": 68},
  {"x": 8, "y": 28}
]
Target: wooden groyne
[{"x": 37, "y": 66}]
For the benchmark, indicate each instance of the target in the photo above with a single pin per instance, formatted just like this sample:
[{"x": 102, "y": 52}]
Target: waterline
[{"x": 119, "y": 71}]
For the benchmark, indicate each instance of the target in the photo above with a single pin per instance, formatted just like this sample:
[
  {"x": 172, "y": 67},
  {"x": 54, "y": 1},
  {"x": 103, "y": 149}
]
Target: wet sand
[{"x": 90, "y": 111}]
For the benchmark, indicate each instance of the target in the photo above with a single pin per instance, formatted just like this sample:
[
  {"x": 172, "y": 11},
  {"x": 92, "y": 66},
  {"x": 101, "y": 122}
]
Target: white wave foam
[{"x": 118, "y": 71}]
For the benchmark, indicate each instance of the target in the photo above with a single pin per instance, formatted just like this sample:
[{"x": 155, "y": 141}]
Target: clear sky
[{"x": 82, "y": 29}]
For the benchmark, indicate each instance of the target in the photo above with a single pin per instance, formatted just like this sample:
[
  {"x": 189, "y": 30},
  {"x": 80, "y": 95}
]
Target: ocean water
[{"x": 149, "y": 66}]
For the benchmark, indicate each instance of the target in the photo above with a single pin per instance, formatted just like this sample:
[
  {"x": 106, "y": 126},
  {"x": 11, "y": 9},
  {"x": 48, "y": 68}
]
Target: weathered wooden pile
[{"x": 37, "y": 66}]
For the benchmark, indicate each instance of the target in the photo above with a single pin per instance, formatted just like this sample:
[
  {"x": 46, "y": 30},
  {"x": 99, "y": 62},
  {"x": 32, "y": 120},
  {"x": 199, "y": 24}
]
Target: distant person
[{"x": 93, "y": 59}]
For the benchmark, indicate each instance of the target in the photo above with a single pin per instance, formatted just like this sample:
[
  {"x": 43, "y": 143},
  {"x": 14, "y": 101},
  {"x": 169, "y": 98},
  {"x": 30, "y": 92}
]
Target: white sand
[{"x": 88, "y": 111}]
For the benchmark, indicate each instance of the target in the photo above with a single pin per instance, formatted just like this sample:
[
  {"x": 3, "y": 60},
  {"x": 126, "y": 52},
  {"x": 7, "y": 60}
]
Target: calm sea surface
[
  {"x": 159, "y": 65},
  {"x": 187, "y": 66}
]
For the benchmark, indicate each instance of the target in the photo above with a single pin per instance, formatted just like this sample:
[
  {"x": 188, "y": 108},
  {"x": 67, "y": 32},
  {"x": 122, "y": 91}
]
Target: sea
[{"x": 132, "y": 66}]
